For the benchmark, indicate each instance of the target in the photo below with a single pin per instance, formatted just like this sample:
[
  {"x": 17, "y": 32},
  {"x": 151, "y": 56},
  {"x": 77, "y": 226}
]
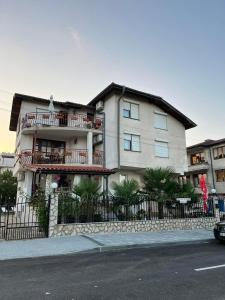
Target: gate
[{"x": 24, "y": 220}]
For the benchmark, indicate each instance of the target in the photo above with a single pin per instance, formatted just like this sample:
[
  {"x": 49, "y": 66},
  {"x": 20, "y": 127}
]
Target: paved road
[{"x": 166, "y": 272}]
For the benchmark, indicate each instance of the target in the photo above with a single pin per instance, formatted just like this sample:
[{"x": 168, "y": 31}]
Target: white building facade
[
  {"x": 120, "y": 133},
  {"x": 7, "y": 161}
]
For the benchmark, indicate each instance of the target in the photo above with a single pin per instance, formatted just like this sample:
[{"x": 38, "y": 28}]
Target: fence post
[{"x": 53, "y": 213}]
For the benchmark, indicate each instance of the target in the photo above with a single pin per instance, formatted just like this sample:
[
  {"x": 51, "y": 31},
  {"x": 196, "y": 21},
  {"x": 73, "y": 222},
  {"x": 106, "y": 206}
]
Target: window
[
  {"x": 161, "y": 149},
  {"x": 196, "y": 179},
  {"x": 130, "y": 110},
  {"x": 220, "y": 175},
  {"x": 131, "y": 142},
  {"x": 123, "y": 177},
  {"x": 160, "y": 121},
  {"x": 219, "y": 152},
  {"x": 48, "y": 151},
  {"x": 197, "y": 158}
]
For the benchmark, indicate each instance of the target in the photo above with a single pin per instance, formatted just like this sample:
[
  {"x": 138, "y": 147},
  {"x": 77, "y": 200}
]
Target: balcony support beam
[{"x": 90, "y": 147}]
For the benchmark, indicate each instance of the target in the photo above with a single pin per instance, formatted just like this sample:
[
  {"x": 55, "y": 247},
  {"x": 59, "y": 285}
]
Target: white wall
[{"x": 175, "y": 136}]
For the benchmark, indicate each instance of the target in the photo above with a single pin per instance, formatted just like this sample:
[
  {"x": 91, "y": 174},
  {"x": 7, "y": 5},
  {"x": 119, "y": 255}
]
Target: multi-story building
[
  {"x": 121, "y": 132},
  {"x": 208, "y": 159},
  {"x": 7, "y": 161}
]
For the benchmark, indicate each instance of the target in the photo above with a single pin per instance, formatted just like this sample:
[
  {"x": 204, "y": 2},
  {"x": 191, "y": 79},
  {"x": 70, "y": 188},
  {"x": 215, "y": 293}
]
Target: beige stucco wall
[
  {"x": 175, "y": 136},
  {"x": 217, "y": 164}
]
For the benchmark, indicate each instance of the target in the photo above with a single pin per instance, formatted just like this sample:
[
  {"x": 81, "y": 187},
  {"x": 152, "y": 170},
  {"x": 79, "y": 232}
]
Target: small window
[
  {"x": 160, "y": 121},
  {"x": 130, "y": 110},
  {"x": 197, "y": 178},
  {"x": 197, "y": 158},
  {"x": 220, "y": 175},
  {"x": 219, "y": 152},
  {"x": 131, "y": 142},
  {"x": 123, "y": 177},
  {"x": 161, "y": 149}
]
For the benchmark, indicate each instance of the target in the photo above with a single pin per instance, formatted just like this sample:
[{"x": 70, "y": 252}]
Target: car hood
[{"x": 221, "y": 223}]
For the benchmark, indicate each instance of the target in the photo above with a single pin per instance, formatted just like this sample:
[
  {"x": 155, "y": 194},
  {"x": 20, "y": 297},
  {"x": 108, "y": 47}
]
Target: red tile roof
[{"x": 72, "y": 169}]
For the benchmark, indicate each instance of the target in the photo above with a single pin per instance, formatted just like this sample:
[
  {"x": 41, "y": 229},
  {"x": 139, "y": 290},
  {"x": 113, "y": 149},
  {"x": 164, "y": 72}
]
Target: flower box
[
  {"x": 59, "y": 116},
  {"x": 31, "y": 117},
  {"x": 68, "y": 153},
  {"x": 84, "y": 154},
  {"x": 26, "y": 153},
  {"x": 45, "y": 116},
  {"x": 98, "y": 122},
  {"x": 97, "y": 154},
  {"x": 74, "y": 118}
]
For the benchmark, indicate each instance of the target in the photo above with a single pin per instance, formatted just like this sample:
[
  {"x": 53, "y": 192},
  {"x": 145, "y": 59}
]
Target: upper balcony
[
  {"x": 66, "y": 156},
  {"x": 204, "y": 166},
  {"x": 60, "y": 121}
]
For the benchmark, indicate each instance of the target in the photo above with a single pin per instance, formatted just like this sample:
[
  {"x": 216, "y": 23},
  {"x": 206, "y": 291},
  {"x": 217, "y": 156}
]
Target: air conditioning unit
[
  {"x": 21, "y": 176},
  {"x": 98, "y": 138},
  {"x": 99, "y": 105}
]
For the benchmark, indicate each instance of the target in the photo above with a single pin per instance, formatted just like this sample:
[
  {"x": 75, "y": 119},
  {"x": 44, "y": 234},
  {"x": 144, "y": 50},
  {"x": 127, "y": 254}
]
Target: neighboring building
[
  {"x": 121, "y": 131},
  {"x": 208, "y": 159},
  {"x": 7, "y": 161}
]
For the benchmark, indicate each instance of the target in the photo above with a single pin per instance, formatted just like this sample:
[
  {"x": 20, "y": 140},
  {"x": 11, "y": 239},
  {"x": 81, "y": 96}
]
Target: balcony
[
  {"x": 67, "y": 156},
  {"x": 78, "y": 121},
  {"x": 204, "y": 166}
]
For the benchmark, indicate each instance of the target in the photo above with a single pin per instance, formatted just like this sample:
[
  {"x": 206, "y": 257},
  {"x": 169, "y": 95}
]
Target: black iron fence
[
  {"x": 24, "y": 220},
  {"x": 106, "y": 209}
]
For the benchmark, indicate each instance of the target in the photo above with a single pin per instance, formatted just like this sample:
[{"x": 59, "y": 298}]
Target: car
[{"x": 219, "y": 231}]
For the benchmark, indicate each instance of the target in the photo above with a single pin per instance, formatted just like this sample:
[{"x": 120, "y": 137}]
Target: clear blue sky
[{"x": 73, "y": 49}]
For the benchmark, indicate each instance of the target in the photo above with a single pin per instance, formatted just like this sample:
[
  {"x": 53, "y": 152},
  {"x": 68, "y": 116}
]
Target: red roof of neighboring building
[{"x": 92, "y": 170}]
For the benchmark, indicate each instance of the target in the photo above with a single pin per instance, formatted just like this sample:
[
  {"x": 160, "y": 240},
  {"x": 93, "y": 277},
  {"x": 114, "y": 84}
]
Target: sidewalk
[{"x": 97, "y": 242}]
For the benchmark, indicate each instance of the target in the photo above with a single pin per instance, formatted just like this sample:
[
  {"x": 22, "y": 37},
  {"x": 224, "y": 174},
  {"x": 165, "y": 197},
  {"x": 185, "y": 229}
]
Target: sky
[{"x": 73, "y": 49}]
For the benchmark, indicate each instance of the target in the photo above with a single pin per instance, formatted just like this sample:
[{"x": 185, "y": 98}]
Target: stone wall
[{"x": 134, "y": 226}]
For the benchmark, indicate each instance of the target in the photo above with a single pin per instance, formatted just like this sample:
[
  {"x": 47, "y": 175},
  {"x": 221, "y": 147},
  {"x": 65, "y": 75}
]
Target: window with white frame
[
  {"x": 131, "y": 142},
  {"x": 161, "y": 149},
  {"x": 160, "y": 121},
  {"x": 123, "y": 177},
  {"x": 130, "y": 110}
]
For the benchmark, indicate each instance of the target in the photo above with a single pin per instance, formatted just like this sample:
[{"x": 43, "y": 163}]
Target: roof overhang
[
  {"x": 57, "y": 169},
  {"x": 158, "y": 101}
]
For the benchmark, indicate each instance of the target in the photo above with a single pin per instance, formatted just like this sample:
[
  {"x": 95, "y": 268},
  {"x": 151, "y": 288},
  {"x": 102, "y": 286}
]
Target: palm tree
[
  {"x": 160, "y": 184},
  {"x": 125, "y": 195},
  {"x": 88, "y": 191}
]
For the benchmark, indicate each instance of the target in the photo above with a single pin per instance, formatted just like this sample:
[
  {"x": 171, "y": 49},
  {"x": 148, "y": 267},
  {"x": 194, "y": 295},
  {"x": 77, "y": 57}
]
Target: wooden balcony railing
[
  {"x": 65, "y": 156},
  {"x": 61, "y": 120}
]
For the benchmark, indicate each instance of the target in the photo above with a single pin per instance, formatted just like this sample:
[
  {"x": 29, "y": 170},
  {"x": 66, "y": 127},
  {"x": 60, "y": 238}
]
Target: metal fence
[
  {"x": 24, "y": 220},
  {"x": 107, "y": 209}
]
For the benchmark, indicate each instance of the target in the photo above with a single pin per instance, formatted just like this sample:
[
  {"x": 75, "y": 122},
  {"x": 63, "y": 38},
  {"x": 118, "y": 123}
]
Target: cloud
[{"x": 76, "y": 37}]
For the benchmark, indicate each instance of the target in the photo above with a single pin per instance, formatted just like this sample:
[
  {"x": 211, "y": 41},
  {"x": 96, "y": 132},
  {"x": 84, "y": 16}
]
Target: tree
[
  {"x": 87, "y": 189},
  {"x": 126, "y": 191},
  {"x": 8, "y": 188},
  {"x": 89, "y": 193},
  {"x": 125, "y": 195},
  {"x": 160, "y": 184}
]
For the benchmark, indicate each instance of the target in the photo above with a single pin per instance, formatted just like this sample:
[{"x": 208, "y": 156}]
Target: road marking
[{"x": 210, "y": 268}]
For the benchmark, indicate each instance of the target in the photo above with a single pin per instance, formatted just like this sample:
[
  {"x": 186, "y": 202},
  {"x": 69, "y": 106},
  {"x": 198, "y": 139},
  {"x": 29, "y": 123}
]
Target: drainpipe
[
  {"x": 104, "y": 150},
  {"x": 212, "y": 169},
  {"x": 118, "y": 125}
]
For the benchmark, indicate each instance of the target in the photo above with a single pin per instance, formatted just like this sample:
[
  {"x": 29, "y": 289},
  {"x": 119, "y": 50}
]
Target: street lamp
[{"x": 54, "y": 186}]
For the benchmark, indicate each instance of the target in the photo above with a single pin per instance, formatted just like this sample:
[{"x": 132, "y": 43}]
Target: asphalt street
[{"x": 162, "y": 272}]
